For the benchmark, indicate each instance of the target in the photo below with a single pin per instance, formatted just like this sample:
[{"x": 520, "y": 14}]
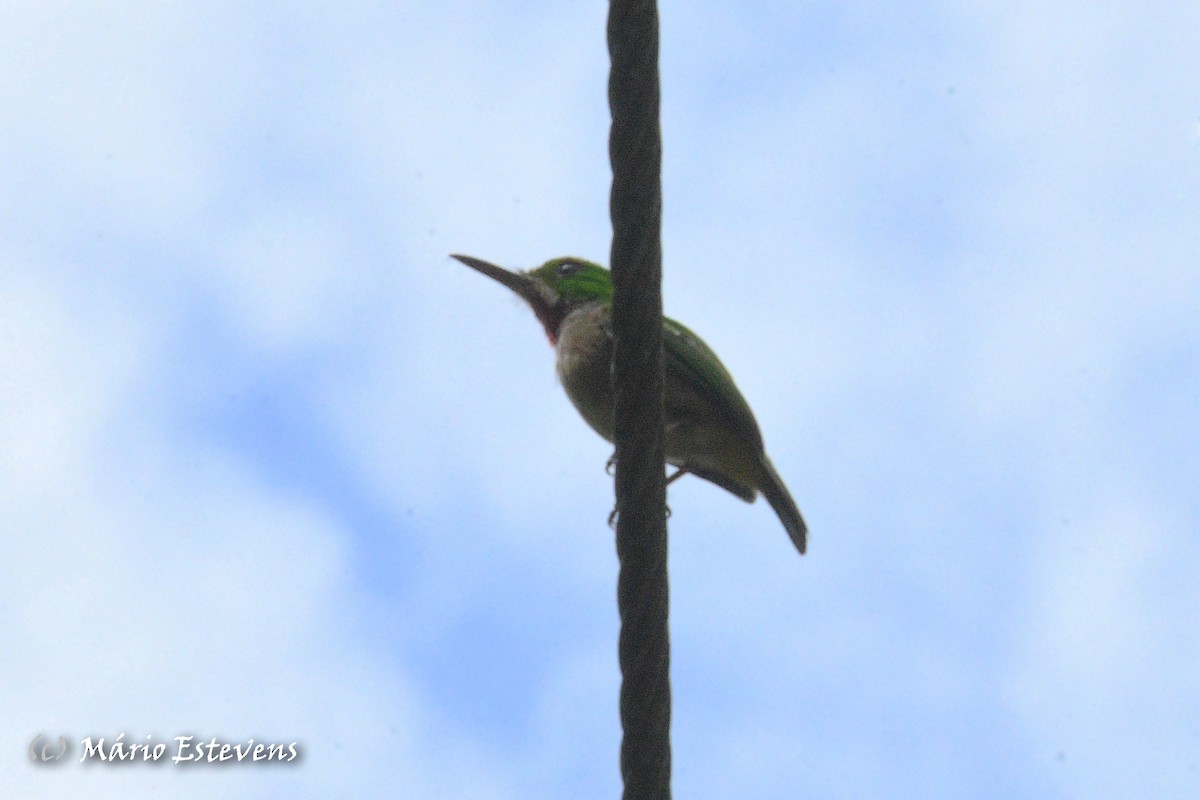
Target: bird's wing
[{"x": 688, "y": 359}]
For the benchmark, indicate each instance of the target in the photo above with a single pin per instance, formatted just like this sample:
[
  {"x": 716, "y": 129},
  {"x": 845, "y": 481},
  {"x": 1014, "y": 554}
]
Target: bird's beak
[{"x": 523, "y": 285}]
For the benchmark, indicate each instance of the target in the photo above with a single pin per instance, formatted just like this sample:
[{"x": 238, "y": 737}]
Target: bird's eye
[{"x": 568, "y": 268}]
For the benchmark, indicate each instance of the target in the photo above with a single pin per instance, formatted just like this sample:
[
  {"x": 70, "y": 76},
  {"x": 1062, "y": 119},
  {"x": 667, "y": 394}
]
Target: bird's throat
[{"x": 551, "y": 315}]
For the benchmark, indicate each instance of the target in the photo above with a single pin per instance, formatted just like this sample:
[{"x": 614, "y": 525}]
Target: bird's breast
[{"x": 584, "y": 359}]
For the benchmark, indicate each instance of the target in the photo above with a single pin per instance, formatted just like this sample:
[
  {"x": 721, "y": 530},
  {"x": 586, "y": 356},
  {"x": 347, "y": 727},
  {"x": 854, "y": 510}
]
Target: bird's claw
[
  {"x": 608, "y": 467},
  {"x": 612, "y": 518}
]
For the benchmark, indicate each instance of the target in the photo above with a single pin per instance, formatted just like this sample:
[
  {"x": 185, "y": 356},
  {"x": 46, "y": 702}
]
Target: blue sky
[{"x": 273, "y": 466}]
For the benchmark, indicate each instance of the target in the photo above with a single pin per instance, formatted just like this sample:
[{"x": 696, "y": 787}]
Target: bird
[{"x": 709, "y": 429}]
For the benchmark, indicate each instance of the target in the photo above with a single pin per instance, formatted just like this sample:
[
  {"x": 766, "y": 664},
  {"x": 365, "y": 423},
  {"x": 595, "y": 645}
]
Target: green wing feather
[{"x": 688, "y": 359}]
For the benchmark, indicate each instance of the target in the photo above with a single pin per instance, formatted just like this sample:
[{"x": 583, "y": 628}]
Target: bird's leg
[
  {"x": 610, "y": 468},
  {"x": 611, "y": 464},
  {"x": 679, "y": 473},
  {"x": 612, "y": 518}
]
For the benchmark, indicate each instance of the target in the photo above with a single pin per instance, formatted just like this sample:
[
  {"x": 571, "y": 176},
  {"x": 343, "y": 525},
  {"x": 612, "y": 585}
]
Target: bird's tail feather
[{"x": 777, "y": 495}]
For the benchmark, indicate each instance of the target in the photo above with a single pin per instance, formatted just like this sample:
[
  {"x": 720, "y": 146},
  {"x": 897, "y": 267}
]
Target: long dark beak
[{"x": 524, "y": 286}]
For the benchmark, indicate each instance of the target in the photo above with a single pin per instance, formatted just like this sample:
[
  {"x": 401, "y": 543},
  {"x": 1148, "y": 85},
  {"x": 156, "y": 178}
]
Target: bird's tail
[{"x": 777, "y": 495}]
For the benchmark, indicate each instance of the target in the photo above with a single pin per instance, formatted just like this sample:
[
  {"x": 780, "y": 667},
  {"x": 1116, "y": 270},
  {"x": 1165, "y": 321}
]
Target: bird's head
[{"x": 554, "y": 289}]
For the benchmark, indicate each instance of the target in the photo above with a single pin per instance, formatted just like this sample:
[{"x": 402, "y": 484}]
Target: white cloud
[
  {"x": 157, "y": 587},
  {"x": 1104, "y": 674}
]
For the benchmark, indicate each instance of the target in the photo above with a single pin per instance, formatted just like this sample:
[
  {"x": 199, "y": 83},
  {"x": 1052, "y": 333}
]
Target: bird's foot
[
  {"x": 612, "y": 460},
  {"x": 612, "y": 518}
]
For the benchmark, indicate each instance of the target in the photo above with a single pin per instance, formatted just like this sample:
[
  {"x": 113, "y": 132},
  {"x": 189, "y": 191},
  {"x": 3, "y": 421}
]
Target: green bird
[{"x": 709, "y": 428}]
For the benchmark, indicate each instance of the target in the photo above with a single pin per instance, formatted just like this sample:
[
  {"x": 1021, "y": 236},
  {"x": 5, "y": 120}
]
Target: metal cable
[{"x": 635, "y": 149}]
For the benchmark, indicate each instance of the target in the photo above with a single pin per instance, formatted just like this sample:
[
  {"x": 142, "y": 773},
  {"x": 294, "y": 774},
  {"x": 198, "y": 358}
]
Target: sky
[{"x": 274, "y": 467}]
